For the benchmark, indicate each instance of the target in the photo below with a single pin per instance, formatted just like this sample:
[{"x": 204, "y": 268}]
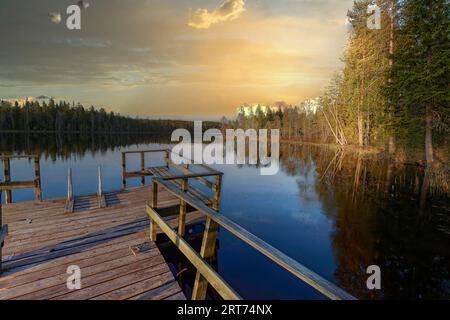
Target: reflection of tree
[
  {"x": 53, "y": 145},
  {"x": 383, "y": 215}
]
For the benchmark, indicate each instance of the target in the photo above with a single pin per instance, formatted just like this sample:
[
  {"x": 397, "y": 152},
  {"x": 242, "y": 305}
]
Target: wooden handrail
[
  {"x": 190, "y": 176},
  {"x": 311, "y": 278},
  {"x": 8, "y": 185},
  {"x": 216, "y": 281}
]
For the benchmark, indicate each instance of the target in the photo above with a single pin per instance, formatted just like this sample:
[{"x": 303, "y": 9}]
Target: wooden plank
[
  {"x": 216, "y": 281},
  {"x": 311, "y": 278},
  {"x": 169, "y": 289},
  {"x": 150, "y": 280}
]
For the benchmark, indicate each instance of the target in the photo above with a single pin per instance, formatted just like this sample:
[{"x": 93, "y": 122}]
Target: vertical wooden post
[
  {"x": 7, "y": 178},
  {"x": 124, "y": 171},
  {"x": 207, "y": 251},
  {"x": 37, "y": 179},
  {"x": 217, "y": 192},
  {"x": 167, "y": 159},
  {"x": 154, "y": 206},
  {"x": 183, "y": 207},
  {"x": 142, "y": 168}
]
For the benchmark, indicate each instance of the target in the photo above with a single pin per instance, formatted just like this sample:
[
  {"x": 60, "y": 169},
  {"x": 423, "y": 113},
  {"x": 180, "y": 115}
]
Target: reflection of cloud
[
  {"x": 55, "y": 17},
  {"x": 229, "y": 10}
]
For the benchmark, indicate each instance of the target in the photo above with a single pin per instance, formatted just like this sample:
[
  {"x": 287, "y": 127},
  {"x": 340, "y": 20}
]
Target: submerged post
[
  {"x": 7, "y": 178},
  {"x": 37, "y": 179}
]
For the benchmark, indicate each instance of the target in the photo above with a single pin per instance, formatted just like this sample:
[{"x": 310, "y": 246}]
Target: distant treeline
[{"x": 66, "y": 117}]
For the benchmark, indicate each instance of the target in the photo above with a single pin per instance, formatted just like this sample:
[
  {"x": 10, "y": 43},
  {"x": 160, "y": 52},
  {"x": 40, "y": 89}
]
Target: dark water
[{"x": 335, "y": 213}]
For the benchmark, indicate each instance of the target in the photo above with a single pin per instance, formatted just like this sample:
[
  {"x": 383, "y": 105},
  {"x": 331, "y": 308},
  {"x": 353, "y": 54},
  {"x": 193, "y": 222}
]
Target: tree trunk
[
  {"x": 360, "y": 129},
  {"x": 429, "y": 135},
  {"x": 392, "y": 147}
]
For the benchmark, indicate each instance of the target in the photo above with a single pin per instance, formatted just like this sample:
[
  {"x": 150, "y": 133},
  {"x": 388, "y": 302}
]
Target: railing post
[
  {"x": 69, "y": 185},
  {"x": 37, "y": 179},
  {"x": 124, "y": 170},
  {"x": 7, "y": 178},
  {"x": 167, "y": 159},
  {"x": 154, "y": 206},
  {"x": 207, "y": 251},
  {"x": 183, "y": 208},
  {"x": 142, "y": 168},
  {"x": 217, "y": 192}
]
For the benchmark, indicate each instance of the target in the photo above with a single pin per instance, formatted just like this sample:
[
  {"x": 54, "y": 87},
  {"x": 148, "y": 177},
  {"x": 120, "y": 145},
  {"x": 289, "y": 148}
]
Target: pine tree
[{"x": 420, "y": 72}]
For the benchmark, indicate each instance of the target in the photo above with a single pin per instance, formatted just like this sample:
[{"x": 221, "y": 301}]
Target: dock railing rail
[
  {"x": 205, "y": 273},
  {"x": 145, "y": 171},
  {"x": 8, "y": 185}
]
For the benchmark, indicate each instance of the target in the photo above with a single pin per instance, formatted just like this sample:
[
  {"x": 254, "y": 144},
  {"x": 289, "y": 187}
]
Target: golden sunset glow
[{"x": 174, "y": 58}]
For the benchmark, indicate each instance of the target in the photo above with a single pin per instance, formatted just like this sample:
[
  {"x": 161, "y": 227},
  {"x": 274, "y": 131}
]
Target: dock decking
[{"x": 110, "y": 245}]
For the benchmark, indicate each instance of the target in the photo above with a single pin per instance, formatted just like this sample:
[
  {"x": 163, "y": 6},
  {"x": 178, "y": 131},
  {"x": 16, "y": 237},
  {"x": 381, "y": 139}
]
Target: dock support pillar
[{"x": 206, "y": 252}]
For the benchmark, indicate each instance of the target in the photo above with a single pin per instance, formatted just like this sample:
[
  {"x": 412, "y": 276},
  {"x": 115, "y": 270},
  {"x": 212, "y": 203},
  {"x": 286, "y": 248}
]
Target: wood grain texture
[{"x": 110, "y": 245}]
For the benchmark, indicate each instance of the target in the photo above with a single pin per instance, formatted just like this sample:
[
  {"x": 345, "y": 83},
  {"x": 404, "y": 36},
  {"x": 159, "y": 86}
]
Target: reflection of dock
[{"x": 114, "y": 244}]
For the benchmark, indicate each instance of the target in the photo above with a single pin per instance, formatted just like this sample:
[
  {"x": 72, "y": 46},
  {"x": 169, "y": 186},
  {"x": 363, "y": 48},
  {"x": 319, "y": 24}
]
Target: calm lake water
[{"x": 335, "y": 213}]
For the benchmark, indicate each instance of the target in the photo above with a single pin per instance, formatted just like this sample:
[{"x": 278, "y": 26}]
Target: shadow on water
[{"x": 337, "y": 213}]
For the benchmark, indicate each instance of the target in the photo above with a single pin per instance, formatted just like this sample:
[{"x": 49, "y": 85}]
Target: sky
[{"x": 196, "y": 59}]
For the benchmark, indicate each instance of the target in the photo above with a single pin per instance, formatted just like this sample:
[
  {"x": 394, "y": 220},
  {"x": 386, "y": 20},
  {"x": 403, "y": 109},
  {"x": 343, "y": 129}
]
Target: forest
[
  {"x": 65, "y": 117},
  {"x": 392, "y": 93}
]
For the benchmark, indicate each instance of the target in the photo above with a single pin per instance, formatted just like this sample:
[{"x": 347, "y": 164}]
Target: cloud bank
[{"x": 227, "y": 11}]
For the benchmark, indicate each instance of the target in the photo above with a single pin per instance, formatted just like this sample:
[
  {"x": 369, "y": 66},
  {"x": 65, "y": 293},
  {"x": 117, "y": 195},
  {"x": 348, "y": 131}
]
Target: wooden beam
[
  {"x": 311, "y": 278},
  {"x": 216, "y": 281},
  {"x": 8, "y": 186},
  {"x": 189, "y": 176},
  {"x": 207, "y": 251}
]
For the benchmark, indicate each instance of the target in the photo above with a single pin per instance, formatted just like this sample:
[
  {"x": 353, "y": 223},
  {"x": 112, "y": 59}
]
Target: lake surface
[{"x": 335, "y": 213}]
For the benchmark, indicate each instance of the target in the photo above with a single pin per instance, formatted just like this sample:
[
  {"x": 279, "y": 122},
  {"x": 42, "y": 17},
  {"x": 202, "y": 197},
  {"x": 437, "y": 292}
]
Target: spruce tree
[{"x": 420, "y": 74}]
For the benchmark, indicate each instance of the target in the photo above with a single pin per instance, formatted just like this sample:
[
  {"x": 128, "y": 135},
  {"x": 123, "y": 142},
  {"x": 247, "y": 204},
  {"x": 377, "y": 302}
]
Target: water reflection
[
  {"x": 384, "y": 214},
  {"x": 335, "y": 212}
]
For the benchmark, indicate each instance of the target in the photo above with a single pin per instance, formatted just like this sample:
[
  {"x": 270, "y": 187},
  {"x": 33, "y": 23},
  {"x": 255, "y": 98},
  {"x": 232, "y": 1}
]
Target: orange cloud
[{"x": 227, "y": 11}]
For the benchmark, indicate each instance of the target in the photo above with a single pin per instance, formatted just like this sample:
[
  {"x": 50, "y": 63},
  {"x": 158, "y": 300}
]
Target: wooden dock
[
  {"x": 111, "y": 238},
  {"x": 110, "y": 245}
]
